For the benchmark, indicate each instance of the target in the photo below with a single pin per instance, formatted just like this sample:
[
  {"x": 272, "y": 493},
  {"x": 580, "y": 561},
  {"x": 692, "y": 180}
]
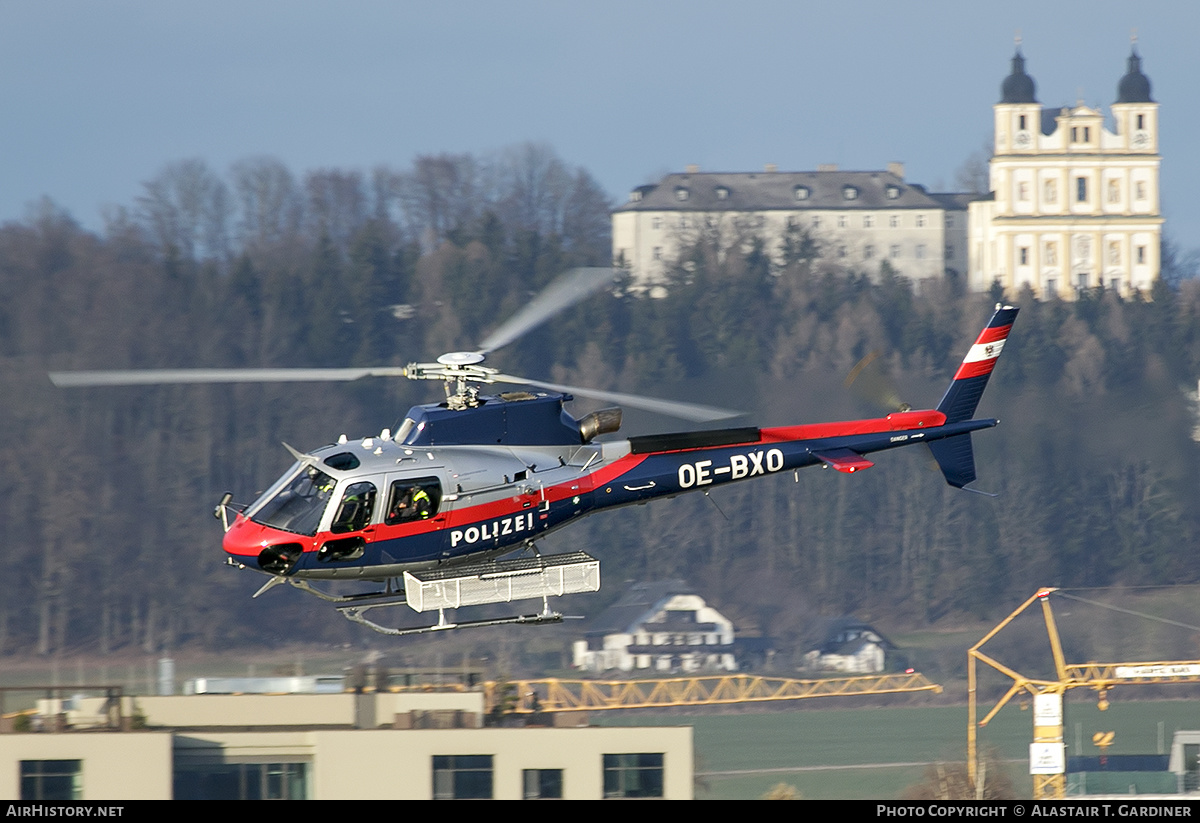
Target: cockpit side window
[
  {"x": 413, "y": 499},
  {"x": 354, "y": 512}
]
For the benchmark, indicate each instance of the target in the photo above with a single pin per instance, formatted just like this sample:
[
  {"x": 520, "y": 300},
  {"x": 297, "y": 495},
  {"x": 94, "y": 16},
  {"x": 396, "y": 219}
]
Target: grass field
[{"x": 877, "y": 753}]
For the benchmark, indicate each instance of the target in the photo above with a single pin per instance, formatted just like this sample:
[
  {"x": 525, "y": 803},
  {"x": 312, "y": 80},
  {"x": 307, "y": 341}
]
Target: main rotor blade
[
  {"x": 567, "y": 290},
  {"x": 671, "y": 408},
  {"x": 150, "y": 377}
]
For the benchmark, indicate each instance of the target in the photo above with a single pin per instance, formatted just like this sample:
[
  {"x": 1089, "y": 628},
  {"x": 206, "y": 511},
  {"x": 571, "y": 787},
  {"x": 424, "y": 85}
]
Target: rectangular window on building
[
  {"x": 949, "y": 220},
  {"x": 920, "y": 221},
  {"x": 1022, "y": 191},
  {"x": 894, "y": 251},
  {"x": 1023, "y": 256},
  {"x": 868, "y": 221},
  {"x": 633, "y": 775},
  {"x": 949, "y": 250},
  {"x": 51, "y": 780},
  {"x": 656, "y": 222},
  {"x": 1081, "y": 189},
  {"x": 462, "y": 777},
  {"x": 1141, "y": 254},
  {"x": 816, "y": 221},
  {"x": 868, "y": 251},
  {"x": 921, "y": 252},
  {"x": 241, "y": 781},
  {"x": 1050, "y": 192},
  {"x": 657, "y": 254},
  {"x": 894, "y": 221},
  {"x": 542, "y": 784},
  {"x": 1114, "y": 191},
  {"x": 1140, "y": 189},
  {"x": 841, "y": 221}
]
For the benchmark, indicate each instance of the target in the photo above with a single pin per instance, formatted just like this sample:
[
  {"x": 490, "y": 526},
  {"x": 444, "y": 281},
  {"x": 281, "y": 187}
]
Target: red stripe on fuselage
[{"x": 901, "y": 421}]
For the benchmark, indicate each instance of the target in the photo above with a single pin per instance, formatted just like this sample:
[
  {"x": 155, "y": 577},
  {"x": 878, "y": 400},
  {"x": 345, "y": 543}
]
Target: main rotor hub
[{"x": 461, "y": 358}]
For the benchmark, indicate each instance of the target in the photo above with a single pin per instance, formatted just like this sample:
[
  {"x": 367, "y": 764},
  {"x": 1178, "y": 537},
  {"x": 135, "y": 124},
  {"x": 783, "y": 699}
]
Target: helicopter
[{"x": 445, "y": 512}]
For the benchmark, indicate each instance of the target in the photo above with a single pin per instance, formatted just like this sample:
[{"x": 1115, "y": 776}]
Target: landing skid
[
  {"x": 358, "y": 615},
  {"x": 497, "y": 581}
]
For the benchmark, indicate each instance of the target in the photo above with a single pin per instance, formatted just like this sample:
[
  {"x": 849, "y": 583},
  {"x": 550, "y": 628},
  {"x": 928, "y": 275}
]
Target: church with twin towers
[{"x": 1073, "y": 205}]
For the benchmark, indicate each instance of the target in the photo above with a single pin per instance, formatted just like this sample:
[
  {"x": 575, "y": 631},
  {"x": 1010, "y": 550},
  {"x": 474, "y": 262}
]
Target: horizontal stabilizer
[{"x": 844, "y": 460}]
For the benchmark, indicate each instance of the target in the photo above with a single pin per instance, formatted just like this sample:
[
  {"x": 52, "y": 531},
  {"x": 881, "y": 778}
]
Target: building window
[
  {"x": 1022, "y": 191},
  {"x": 949, "y": 250},
  {"x": 542, "y": 784},
  {"x": 1074, "y": 135},
  {"x": 1141, "y": 254},
  {"x": 841, "y": 251},
  {"x": 1140, "y": 189},
  {"x": 1021, "y": 123},
  {"x": 1114, "y": 253},
  {"x": 656, "y": 222},
  {"x": 462, "y": 777},
  {"x": 868, "y": 221},
  {"x": 1051, "y": 254},
  {"x": 868, "y": 251},
  {"x": 949, "y": 220},
  {"x": 242, "y": 781},
  {"x": 920, "y": 221},
  {"x": 894, "y": 221},
  {"x": 1141, "y": 121},
  {"x": 1050, "y": 191},
  {"x": 802, "y": 192},
  {"x": 633, "y": 775},
  {"x": 893, "y": 192},
  {"x": 841, "y": 221},
  {"x": 921, "y": 251},
  {"x": 1023, "y": 255},
  {"x": 722, "y": 193},
  {"x": 1081, "y": 189},
  {"x": 816, "y": 221},
  {"x": 684, "y": 223},
  {"x": 1114, "y": 191},
  {"x": 681, "y": 193},
  {"x": 53, "y": 779},
  {"x": 894, "y": 251},
  {"x": 849, "y": 193},
  {"x": 657, "y": 253}
]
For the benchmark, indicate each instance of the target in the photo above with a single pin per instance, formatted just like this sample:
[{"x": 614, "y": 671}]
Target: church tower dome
[
  {"x": 1134, "y": 86},
  {"x": 1018, "y": 87}
]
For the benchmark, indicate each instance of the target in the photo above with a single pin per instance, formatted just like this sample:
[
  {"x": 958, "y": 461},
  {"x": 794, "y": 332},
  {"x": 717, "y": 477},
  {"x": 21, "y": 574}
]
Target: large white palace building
[{"x": 1074, "y": 204}]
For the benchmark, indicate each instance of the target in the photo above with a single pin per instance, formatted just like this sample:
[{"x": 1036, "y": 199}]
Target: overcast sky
[{"x": 96, "y": 97}]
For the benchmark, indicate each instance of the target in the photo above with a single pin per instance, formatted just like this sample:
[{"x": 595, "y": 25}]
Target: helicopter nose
[{"x": 254, "y": 545}]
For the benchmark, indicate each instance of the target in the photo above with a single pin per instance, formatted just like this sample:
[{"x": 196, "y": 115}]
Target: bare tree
[
  {"x": 186, "y": 207},
  {"x": 271, "y": 207}
]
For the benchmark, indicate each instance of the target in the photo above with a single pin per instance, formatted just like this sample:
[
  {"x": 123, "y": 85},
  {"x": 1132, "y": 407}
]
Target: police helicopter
[{"x": 446, "y": 511}]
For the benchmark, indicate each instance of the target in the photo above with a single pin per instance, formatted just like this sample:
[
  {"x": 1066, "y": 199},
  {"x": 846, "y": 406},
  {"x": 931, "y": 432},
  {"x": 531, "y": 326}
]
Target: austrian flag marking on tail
[{"x": 981, "y": 359}]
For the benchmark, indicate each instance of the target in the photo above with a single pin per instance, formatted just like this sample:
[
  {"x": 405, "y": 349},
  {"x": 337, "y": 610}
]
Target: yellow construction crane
[
  {"x": 556, "y": 695},
  {"x": 1048, "y": 754}
]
